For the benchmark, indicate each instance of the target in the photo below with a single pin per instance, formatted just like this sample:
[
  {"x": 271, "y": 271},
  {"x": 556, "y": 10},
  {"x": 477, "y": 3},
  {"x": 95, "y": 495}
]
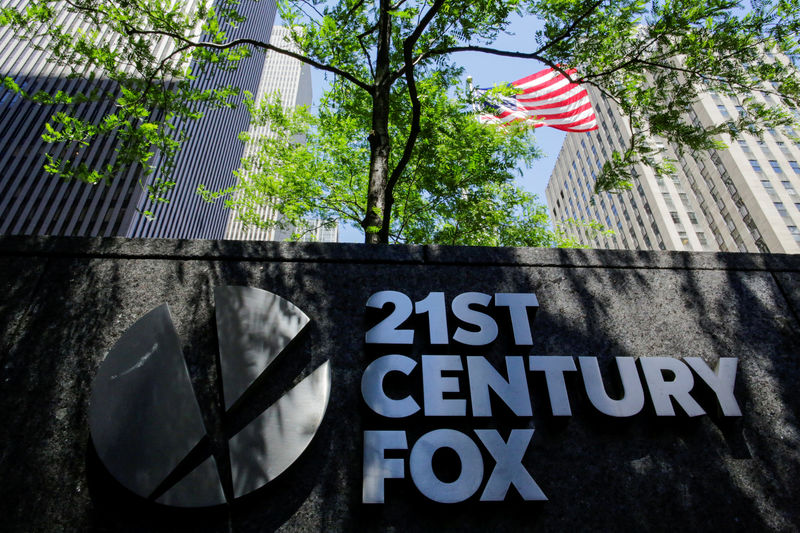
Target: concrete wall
[{"x": 65, "y": 302}]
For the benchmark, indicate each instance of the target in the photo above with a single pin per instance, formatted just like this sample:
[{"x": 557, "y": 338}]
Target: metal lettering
[
  {"x": 421, "y": 466},
  {"x": 554, "y": 367},
  {"x": 487, "y": 327},
  {"x": 372, "y": 386},
  {"x": 509, "y": 469},
  {"x": 514, "y": 391},
  {"x": 720, "y": 381},
  {"x": 377, "y": 467},
  {"x": 632, "y": 400},
  {"x": 434, "y": 385},
  {"x": 661, "y": 389},
  {"x": 518, "y": 303}
]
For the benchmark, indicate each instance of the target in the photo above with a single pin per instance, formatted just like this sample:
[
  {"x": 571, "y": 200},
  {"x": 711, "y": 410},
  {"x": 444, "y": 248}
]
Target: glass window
[
  {"x": 744, "y": 146},
  {"x": 795, "y": 166},
  {"x": 740, "y": 110},
  {"x": 775, "y": 166},
  {"x": 723, "y": 111},
  {"x": 781, "y": 209},
  {"x": 674, "y": 215},
  {"x": 683, "y": 237},
  {"x": 795, "y": 232},
  {"x": 789, "y": 188},
  {"x": 692, "y": 217},
  {"x": 755, "y": 165},
  {"x": 702, "y": 238}
]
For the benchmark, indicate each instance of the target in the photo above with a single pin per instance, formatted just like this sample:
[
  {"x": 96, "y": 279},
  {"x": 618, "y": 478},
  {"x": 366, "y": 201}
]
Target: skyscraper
[
  {"x": 291, "y": 79},
  {"x": 33, "y": 202},
  {"x": 743, "y": 198}
]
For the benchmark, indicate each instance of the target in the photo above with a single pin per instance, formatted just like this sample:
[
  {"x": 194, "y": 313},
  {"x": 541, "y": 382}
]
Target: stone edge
[{"x": 117, "y": 247}]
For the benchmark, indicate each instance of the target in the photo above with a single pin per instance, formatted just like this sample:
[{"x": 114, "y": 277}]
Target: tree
[
  {"x": 652, "y": 58},
  {"x": 457, "y": 187}
]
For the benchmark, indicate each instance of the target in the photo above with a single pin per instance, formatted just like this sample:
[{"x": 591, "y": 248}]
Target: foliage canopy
[{"x": 388, "y": 60}]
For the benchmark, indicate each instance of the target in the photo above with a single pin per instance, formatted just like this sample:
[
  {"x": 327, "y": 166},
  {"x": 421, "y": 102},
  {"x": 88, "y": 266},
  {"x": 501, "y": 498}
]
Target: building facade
[
  {"x": 33, "y": 202},
  {"x": 741, "y": 199},
  {"x": 291, "y": 79}
]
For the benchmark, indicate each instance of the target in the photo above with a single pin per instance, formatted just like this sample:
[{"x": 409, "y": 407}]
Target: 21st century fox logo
[{"x": 148, "y": 428}]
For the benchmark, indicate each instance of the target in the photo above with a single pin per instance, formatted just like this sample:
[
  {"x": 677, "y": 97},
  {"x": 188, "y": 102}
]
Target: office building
[
  {"x": 292, "y": 80},
  {"x": 743, "y": 198},
  {"x": 33, "y": 202}
]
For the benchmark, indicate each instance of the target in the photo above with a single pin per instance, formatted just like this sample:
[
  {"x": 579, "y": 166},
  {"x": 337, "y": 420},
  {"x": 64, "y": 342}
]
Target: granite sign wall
[{"x": 470, "y": 388}]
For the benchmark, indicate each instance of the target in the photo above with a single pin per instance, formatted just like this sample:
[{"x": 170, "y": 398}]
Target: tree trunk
[{"x": 379, "y": 140}]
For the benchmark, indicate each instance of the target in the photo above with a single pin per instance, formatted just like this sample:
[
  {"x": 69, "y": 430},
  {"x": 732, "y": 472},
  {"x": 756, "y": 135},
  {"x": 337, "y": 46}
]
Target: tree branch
[
  {"x": 416, "y": 113},
  {"x": 260, "y": 44},
  {"x": 566, "y": 33}
]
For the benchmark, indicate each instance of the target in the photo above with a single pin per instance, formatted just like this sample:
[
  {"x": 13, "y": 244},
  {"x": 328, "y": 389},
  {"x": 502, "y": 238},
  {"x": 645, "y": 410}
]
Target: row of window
[{"x": 776, "y": 167}]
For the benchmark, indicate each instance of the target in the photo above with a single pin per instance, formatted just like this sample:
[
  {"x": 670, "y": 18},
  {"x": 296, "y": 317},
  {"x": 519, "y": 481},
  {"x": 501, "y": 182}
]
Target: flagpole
[{"x": 470, "y": 92}]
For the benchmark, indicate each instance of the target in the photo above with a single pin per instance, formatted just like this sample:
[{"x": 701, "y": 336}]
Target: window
[
  {"x": 755, "y": 165},
  {"x": 723, "y": 111},
  {"x": 789, "y": 188},
  {"x": 683, "y": 237},
  {"x": 795, "y": 166},
  {"x": 674, "y": 215},
  {"x": 684, "y": 199},
  {"x": 744, "y": 146},
  {"x": 795, "y": 232},
  {"x": 702, "y": 238},
  {"x": 781, "y": 209},
  {"x": 740, "y": 110},
  {"x": 775, "y": 166},
  {"x": 692, "y": 217}
]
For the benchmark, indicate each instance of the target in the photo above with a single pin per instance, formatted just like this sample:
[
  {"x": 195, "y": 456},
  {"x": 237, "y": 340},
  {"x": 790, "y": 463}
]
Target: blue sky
[{"x": 486, "y": 70}]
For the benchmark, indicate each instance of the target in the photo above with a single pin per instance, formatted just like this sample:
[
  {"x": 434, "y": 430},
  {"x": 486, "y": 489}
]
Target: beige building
[
  {"x": 742, "y": 199},
  {"x": 292, "y": 79}
]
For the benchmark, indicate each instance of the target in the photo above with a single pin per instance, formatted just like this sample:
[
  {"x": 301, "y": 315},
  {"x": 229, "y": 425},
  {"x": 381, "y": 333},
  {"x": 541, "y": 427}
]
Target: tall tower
[
  {"x": 292, "y": 80},
  {"x": 742, "y": 199},
  {"x": 33, "y": 202}
]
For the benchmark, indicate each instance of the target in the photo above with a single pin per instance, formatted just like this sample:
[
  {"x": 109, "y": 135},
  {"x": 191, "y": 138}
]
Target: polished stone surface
[{"x": 66, "y": 302}]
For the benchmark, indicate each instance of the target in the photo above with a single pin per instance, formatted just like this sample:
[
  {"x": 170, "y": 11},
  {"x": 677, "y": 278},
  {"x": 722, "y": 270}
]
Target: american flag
[{"x": 548, "y": 99}]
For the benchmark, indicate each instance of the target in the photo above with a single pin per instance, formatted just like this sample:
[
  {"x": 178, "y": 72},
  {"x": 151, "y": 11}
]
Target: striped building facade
[
  {"x": 291, "y": 79},
  {"x": 743, "y": 198},
  {"x": 33, "y": 202}
]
